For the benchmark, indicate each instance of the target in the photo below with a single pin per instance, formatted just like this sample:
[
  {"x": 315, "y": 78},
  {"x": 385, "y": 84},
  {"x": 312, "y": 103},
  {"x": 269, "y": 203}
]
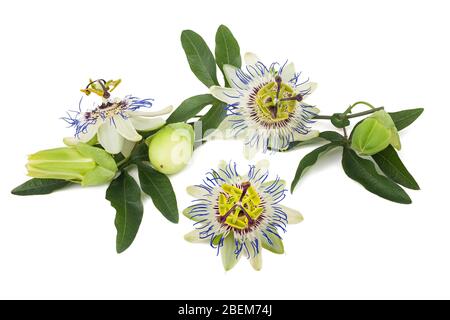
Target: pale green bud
[
  {"x": 170, "y": 149},
  {"x": 375, "y": 133},
  {"x": 80, "y": 163},
  {"x": 384, "y": 118}
]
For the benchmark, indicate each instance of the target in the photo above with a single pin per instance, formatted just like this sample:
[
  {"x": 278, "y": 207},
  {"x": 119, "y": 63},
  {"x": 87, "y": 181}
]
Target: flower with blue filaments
[
  {"x": 115, "y": 122},
  {"x": 266, "y": 105},
  {"x": 240, "y": 215}
]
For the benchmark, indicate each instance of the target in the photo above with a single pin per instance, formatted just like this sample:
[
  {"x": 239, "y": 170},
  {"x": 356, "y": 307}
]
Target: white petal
[
  {"x": 127, "y": 148},
  {"x": 193, "y": 237},
  {"x": 161, "y": 112},
  {"x": 251, "y": 59},
  {"x": 109, "y": 138},
  {"x": 288, "y": 72},
  {"x": 281, "y": 183},
  {"x": 227, "y": 95},
  {"x": 196, "y": 192},
  {"x": 70, "y": 141},
  {"x": 222, "y": 165},
  {"x": 194, "y": 216},
  {"x": 314, "y": 110},
  {"x": 304, "y": 137},
  {"x": 146, "y": 123},
  {"x": 90, "y": 132},
  {"x": 262, "y": 165},
  {"x": 231, "y": 73},
  {"x": 224, "y": 130},
  {"x": 308, "y": 87},
  {"x": 229, "y": 258},
  {"x": 293, "y": 216},
  {"x": 275, "y": 245},
  {"x": 250, "y": 151},
  {"x": 256, "y": 261},
  {"x": 126, "y": 129}
]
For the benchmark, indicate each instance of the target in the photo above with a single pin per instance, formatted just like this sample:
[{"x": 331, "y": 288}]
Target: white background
[{"x": 352, "y": 244}]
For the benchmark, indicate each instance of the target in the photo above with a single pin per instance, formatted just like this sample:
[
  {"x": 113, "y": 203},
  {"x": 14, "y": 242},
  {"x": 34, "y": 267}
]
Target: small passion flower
[
  {"x": 114, "y": 121},
  {"x": 266, "y": 105},
  {"x": 240, "y": 215}
]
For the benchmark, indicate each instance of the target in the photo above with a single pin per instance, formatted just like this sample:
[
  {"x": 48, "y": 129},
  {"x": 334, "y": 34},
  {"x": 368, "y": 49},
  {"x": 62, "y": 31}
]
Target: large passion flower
[
  {"x": 115, "y": 122},
  {"x": 266, "y": 105},
  {"x": 240, "y": 215}
]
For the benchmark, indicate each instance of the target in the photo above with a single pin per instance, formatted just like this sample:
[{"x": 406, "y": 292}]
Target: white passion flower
[
  {"x": 114, "y": 121},
  {"x": 240, "y": 215},
  {"x": 266, "y": 105}
]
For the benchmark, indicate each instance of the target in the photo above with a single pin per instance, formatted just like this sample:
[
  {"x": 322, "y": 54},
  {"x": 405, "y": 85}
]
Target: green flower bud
[
  {"x": 170, "y": 149},
  {"x": 80, "y": 163},
  {"x": 384, "y": 118},
  {"x": 375, "y": 133}
]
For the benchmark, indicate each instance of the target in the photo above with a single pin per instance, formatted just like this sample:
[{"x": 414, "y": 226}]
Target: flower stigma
[{"x": 240, "y": 206}]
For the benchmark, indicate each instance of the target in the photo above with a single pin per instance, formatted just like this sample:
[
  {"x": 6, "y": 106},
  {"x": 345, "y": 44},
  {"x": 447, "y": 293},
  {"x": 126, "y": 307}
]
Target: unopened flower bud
[
  {"x": 375, "y": 133},
  {"x": 170, "y": 149},
  {"x": 80, "y": 163}
]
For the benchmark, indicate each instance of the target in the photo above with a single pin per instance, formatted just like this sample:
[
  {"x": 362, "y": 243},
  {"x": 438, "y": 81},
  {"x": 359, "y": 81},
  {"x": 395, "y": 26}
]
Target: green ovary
[
  {"x": 239, "y": 211},
  {"x": 267, "y": 97}
]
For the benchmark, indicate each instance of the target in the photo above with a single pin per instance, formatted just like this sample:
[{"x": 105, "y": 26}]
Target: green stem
[
  {"x": 349, "y": 109},
  {"x": 345, "y": 133},
  {"x": 354, "y": 115},
  {"x": 360, "y": 114},
  {"x": 123, "y": 163}
]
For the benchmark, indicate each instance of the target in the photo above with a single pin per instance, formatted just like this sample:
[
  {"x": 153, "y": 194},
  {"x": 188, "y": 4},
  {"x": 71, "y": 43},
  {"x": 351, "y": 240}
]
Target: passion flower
[
  {"x": 240, "y": 215},
  {"x": 170, "y": 149},
  {"x": 266, "y": 105},
  {"x": 114, "y": 121}
]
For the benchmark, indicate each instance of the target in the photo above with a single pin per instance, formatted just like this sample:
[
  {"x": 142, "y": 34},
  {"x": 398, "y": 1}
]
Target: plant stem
[
  {"x": 345, "y": 132},
  {"x": 360, "y": 114},
  {"x": 122, "y": 162},
  {"x": 350, "y": 108},
  {"x": 354, "y": 115}
]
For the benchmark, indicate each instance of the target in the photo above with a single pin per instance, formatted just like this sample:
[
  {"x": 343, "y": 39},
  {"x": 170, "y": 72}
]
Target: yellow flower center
[
  {"x": 239, "y": 206},
  {"x": 276, "y": 100}
]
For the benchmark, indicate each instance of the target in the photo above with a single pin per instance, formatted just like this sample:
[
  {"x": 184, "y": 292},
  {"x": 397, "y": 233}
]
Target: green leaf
[
  {"x": 214, "y": 117},
  {"x": 309, "y": 160},
  {"x": 404, "y": 118},
  {"x": 157, "y": 185},
  {"x": 140, "y": 153},
  {"x": 364, "y": 172},
  {"x": 391, "y": 165},
  {"x": 200, "y": 58},
  {"x": 125, "y": 196},
  {"x": 227, "y": 49},
  {"x": 39, "y": 186},
  {"x": 332, "y": 136},
  {"x": 191, "y": 107},
  {"x": 339, "y": 120}
]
